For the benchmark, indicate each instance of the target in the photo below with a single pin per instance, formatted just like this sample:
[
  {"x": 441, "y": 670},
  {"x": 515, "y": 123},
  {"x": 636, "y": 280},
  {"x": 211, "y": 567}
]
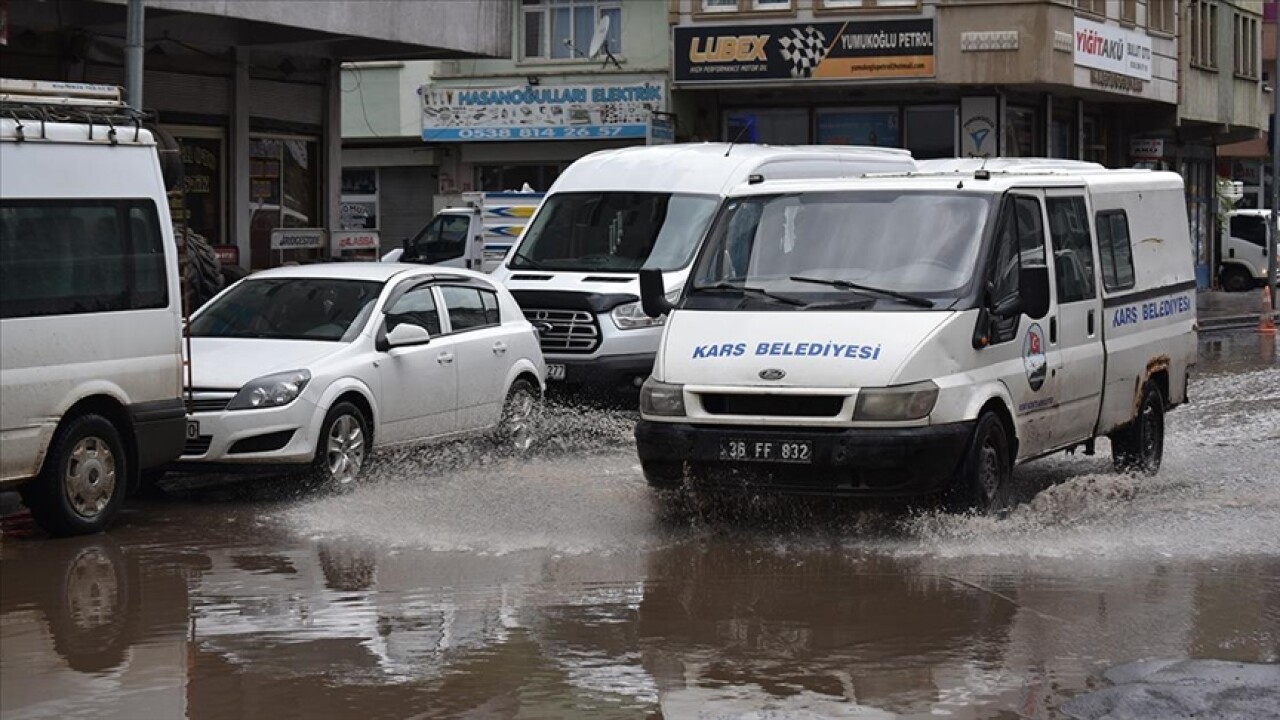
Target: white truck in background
[
  {"x": 1243, "y": 249},
  {"x": 475, "y": 235}
]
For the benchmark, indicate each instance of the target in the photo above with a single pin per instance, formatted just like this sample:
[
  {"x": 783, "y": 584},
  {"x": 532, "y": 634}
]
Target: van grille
[
  {"x": 566, "y": 331},
  {"x": 773, "y": 405}
]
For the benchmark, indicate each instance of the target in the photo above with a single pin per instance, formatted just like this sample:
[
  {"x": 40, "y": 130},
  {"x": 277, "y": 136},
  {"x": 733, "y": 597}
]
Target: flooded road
[{"x": 454, "y": 584}]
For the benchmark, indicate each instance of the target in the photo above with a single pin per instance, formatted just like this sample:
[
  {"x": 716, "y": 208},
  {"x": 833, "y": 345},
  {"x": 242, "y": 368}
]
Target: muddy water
[{"x": 457, "y": 584}]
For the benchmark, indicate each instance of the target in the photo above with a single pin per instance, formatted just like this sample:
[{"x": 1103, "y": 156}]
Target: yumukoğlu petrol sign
[{"x": 854, "y": 50}]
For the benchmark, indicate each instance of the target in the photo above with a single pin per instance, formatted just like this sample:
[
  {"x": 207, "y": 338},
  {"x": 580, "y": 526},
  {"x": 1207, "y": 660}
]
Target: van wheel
[
  {"x": 343, "y": 447},
  {"x": 1235, "y": 279},
  {"x": 517, "y": 430},
  {"x": 83, "y": 481},
  {"x": 1140, "y": 445},
  {"x": 984, "y": 479}
]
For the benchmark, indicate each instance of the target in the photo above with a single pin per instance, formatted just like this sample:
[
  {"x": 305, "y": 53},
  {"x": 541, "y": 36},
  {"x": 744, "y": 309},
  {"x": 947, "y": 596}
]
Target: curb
[{"x": 1229, "y": 322}]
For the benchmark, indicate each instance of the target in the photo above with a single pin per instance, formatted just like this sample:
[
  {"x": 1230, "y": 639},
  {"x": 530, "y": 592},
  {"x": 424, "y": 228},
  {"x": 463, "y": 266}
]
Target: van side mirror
[
  {"x": 653, "y": 293},
  {"x": 1033, "y": 291}
]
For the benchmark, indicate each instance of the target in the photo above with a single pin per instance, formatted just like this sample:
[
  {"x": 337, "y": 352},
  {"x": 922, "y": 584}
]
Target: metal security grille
[{"x": 566, "y": 331}]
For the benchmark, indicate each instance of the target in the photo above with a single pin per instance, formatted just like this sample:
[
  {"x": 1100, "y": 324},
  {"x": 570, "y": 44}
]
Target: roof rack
[{"x": 60, "y": 102}]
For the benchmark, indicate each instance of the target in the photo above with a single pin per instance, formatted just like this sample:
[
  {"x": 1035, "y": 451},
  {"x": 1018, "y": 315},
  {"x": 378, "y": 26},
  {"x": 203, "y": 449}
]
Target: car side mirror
[
  {"x": 653, "y": 293},
  {"x": 1033, "y": 291},
  {"x": 407, "y": 334}
]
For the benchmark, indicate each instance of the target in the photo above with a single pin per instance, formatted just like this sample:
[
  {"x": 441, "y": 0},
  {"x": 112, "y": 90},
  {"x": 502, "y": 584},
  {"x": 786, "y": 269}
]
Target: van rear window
[{"x": 64, "y": 257}]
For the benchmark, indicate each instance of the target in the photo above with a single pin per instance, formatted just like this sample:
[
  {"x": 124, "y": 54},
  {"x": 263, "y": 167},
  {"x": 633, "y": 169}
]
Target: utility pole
[
  {"x": 133, "y": 54},
  {"x": 1275, "y": 168}
]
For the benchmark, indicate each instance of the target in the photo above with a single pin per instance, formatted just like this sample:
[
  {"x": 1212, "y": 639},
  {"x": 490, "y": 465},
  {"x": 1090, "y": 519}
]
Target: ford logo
[{"x": 772, "y": 374}]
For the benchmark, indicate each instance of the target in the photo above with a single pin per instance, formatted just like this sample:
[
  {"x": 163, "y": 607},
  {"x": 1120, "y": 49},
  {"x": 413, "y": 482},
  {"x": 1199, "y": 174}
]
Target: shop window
[
  {"x": 283, "y": 193},
  {"x": 1096, "y": 7},
  {"x": 1063, "y": 136},
  {"x": 1202, "y": 24},
  {"x": 774, "y": 127},
  {"x": 1021, "y": 136},
  {"x": 1115, "y": 250},
  {"x": 562, "y": 29},
  {"x": 1246, "y": 45},
  {"x": 1161, "y": 14},
  {"x": 712, "y": 6},
  {"x": 513, "y": 178},
  {"x": 771, "y": 4},
  {"x": 877, "y": 127},
  {"x": 359, "y": 199},
  {"x": 931, "y": 131},
  {"x": 200, "y": 205}
]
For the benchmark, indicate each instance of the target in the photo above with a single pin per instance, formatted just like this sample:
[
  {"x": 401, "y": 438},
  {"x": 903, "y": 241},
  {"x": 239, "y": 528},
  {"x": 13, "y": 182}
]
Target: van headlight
[
  {"x": 270, "y": 391},
  {"x": 631, "y": 315},
  {"x": 659, "y": 398},
  {"x": 904, "y": 402}
]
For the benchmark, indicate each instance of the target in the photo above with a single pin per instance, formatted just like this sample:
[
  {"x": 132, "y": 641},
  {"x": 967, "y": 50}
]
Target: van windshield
[
  {"x": 813, "y": 248},
  {"x": 614, "y": 232}
]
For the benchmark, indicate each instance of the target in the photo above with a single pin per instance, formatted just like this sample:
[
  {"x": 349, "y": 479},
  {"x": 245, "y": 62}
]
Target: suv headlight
[
  {"x": 631, "y": 315},
  {"x": 269, "y": 391},
  {"x": 904, "y": 402},
  {"x": 659, "y": 398}
]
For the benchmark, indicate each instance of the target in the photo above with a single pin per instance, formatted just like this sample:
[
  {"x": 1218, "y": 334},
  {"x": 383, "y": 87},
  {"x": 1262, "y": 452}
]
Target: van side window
[
  {"x": 1019, "y": 243},
  {"x": 1072, "y": 249},
  {"x": 1250, "y": 228},
  {"x": 65, "y": 257},
  {"x": 1114, "y": 250}
]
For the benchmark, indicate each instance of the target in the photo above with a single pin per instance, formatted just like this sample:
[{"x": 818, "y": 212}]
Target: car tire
[
  {"x": 986, "y": 474},
  {"x": 342, "y": 450},
  {"x": 517, "y": 430},
  {"x": 1139, "y": 446},
  {"x": 83, "y": 481},
  {"x": 1235, "y": 279},
  {"x": 201, "y": 270}
]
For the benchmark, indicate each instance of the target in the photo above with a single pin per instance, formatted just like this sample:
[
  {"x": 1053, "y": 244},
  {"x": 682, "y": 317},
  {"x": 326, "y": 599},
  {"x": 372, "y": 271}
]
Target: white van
[
  {"x": 612, "y": 213},
  {"x": 90, "y": 316},
  {"x": 1242, "y": 249},
  {"x": 920, "y": 334}
]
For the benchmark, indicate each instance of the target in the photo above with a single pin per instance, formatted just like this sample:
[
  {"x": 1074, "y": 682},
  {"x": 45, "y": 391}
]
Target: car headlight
[
  {"x": 271, "y": 391},
  {"x": 659, "y": 398},
  {"x": 904, "y": 402},
  {"x": 631, "y": 315}
]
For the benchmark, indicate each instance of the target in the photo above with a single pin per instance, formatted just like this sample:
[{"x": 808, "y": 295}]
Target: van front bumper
[{"x": 883, "y": 462}]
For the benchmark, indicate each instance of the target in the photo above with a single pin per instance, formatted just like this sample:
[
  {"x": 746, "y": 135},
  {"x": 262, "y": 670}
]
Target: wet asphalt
[{"x": 457, "y": 584}]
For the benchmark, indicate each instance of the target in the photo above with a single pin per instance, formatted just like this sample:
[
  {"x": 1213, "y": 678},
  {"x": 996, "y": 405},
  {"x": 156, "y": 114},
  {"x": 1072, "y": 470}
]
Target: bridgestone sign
[{"x": 298, "y": 238}]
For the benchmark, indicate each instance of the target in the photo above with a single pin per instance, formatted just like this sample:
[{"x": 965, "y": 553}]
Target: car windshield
[
  {"x": 614, "y": 232},
  {"x": 290, "y": 309},
  {"x": 874, "y": 247}
]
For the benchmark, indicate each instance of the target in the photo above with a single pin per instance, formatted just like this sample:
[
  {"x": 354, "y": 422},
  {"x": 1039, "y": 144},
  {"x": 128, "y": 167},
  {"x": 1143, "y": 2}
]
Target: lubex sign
[{"x": 1113, "y": 49}]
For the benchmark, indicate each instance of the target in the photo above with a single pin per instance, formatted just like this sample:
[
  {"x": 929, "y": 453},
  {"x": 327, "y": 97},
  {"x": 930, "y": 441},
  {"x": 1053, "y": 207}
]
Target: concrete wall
[
  {"x": 380, "y": 100},
  {"x": 468, "y": 26}
]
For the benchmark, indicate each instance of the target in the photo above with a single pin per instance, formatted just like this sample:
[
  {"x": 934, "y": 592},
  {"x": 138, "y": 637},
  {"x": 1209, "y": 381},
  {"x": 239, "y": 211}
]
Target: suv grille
[
  {"x": 567, "y": 331},
  {"x": 775, "y": 405}
]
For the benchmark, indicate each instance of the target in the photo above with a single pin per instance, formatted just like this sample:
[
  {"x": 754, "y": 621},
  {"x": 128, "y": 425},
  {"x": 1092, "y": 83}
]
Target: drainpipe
[{"x": 133, "y": 53}]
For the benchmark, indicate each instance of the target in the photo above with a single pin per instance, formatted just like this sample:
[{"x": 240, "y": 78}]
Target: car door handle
[
  {"x": 499, "y": 348},
  {"x": 444, "y": 358}
]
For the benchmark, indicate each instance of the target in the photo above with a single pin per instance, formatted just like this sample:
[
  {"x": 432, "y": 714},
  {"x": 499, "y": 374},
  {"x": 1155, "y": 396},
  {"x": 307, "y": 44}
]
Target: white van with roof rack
[
  {"x": 613, "y": 213},
  {"x": 90, "y": 305},
  {"x": 919, "y": 334}
]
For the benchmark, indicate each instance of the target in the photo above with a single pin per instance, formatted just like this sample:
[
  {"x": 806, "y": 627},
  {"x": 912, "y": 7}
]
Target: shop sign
[
  {"x": 1115, "y": 81},
  {"x": 853, "y": 50},
  {"x": 1113, "y": 49},
  {"x": 227, "y": 254},
  {"x": 1146, "y": 149},
  {"x": 661, "y": 131},
  {"x": 540, "y": 112},
  {"x": 978, "y": 137},
  {"x": 297, "y": 238},
  {"x": 354, "y": 240}
]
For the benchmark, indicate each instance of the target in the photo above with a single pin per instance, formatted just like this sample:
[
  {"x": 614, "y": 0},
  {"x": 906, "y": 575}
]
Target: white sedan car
[{"x": 317, "y": 365}]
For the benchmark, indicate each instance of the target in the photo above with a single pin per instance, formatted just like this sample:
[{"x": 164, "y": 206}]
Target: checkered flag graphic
[{"x": 804, "y": 49}]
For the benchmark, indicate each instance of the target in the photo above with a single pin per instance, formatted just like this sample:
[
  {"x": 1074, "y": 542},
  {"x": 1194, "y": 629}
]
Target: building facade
[
  {"x": 251, "y": 91},
  {"x": 582, "y": 75}
]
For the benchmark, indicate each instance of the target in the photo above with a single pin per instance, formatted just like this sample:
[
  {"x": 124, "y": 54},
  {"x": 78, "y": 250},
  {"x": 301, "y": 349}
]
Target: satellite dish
[{"x": 600, "y": 37}]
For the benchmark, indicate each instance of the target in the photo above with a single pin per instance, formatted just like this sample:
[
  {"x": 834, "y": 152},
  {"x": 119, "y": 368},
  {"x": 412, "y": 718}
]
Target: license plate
[
  {"x": 555, "y": 372},
  {"x": 766, "y": 451},
  {"x": 193, "y": 429}
]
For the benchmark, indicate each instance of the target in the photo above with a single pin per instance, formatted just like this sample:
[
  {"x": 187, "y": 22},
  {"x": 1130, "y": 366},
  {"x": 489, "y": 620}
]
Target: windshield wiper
[
  {"x": 722, "y": 285},
  {"x": 527, "y": 260},
  {"x": 867, "y": 289}
]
